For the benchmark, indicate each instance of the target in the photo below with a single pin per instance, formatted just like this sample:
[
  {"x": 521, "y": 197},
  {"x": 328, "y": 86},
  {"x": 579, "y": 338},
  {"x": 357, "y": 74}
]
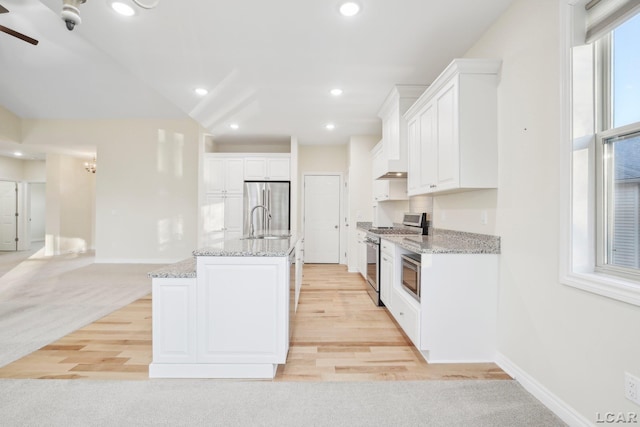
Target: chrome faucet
[{"x": 252, "y": 230}]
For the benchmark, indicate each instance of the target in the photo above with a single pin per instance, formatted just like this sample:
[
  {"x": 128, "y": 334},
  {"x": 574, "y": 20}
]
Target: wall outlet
[
  {"x": 631, "y": 386},
  {"x": 484, "y": 218}
]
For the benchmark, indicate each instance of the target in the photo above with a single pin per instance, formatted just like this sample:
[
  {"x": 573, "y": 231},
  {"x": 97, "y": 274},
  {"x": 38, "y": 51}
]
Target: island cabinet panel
[
  {"x": 174, "y": 320},
  {"x": 243, "y": 310}
]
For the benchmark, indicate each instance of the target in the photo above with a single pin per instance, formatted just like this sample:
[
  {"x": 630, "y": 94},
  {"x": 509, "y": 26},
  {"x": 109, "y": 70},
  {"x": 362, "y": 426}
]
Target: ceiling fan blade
[
  {"x": 18, "y": 35},
  {"x": 3, "y": 9}
]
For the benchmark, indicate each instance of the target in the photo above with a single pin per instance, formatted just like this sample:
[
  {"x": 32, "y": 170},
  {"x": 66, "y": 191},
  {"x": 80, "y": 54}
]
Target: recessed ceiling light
[
  {"x": 17, "y": 154},
  {"x": 234, "y": 126},
  {"x": 123, "y": 8},
  {"x": 201, "y": 91},
  {"x": 336, "y": 92},
  {"x": 349, "y": 8},
  {"x": 330, "y": 126}
]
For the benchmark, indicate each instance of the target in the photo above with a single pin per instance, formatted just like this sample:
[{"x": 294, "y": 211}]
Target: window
[
  {"x": 600, "y": 242},
  {"x": 618, "y": 152}
]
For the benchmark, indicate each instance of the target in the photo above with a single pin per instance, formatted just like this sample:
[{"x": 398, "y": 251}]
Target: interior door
[
  {"x": 322, "y": 219},
  {"x": 8, "y": 219}
]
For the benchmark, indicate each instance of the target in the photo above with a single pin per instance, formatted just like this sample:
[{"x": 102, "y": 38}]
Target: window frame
[{"x": 573, "y": 271}]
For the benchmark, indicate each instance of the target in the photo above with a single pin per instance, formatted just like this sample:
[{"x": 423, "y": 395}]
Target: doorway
[
  {"x": 322, "y": 219},
  {"x": 8, "y": 216}
]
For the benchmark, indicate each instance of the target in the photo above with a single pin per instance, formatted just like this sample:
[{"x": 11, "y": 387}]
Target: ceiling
[{"x": 268, "y": 66}]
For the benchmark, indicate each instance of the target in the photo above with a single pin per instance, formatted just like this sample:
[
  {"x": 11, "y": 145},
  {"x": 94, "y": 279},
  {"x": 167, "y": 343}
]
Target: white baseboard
[
  {"x": 136, "y": 261},
  {"x": 559, "y": 407}
]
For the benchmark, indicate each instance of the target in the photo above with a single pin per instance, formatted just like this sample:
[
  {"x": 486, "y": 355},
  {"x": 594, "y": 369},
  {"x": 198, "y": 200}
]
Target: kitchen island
[{"x": 225, "y": 313}]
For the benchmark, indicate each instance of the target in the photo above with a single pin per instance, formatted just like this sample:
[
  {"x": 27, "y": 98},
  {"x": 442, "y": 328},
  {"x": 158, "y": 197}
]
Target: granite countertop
[
  {"x": 441, "y": 241},
  {"x": 251, "y": 247},
  {"x": 397, "y": 229},
  {"x": 185, "y": 269}
]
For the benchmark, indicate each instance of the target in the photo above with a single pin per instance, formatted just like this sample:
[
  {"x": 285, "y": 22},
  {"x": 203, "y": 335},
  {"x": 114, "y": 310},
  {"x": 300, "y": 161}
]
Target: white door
[
  {"x": 322, "y": 219},
  {"x": 8, "y": 198}
]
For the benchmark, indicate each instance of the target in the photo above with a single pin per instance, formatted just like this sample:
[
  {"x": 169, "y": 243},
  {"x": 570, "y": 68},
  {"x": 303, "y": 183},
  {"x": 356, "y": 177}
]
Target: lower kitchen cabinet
[
  {"x": 458, "y": 308},
  {"x": 362, "y": 253},
  {"x": 456, "y": 318},
  {"x": 407, "y": 313},
  {"x": 174, "y": 320},
  {"x": 387, "y": 271}
]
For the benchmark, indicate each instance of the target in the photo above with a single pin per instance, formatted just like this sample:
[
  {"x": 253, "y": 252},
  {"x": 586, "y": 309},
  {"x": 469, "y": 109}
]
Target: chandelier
[{"x": 90, "y": 166}]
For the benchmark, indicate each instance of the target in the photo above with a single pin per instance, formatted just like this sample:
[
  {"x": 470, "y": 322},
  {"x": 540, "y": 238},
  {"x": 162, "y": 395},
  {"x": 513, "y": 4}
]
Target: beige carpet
[{"x": 44, "y": 298}]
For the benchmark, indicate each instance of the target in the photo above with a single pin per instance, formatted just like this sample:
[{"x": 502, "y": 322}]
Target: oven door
[{"x": 411, "y": 276}]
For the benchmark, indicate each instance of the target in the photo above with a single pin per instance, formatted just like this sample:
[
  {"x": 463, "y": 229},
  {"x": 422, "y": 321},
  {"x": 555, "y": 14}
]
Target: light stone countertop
[
  {"x": 185, "y": 269},
  {"x": 252, "y": 247},
  {"x": 441, "y": 241}
]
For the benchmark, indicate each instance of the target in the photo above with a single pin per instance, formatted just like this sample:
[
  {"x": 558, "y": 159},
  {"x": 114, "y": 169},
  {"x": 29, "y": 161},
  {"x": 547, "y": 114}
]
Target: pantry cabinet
[
  {"x": 452, "y": 130},
  {"x": 223, "y": 174}
]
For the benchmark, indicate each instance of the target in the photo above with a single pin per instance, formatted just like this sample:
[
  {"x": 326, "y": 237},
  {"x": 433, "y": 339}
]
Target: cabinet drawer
[
  {"x": 387, "y": 247},
  {"x": 407, "y": 315}
]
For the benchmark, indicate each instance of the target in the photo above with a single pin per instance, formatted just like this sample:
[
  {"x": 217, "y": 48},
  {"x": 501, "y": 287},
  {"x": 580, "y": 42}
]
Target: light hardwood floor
[{"x": 339, "y": 335}]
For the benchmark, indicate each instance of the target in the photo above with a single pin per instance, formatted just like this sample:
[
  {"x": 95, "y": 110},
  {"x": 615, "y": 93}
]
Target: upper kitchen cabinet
[
  {"x": 223, "y": 174},
  {"x": 392, "y": 159},
  {"x": 452, "y": 130},
  {"x": 267, "y": 168}
]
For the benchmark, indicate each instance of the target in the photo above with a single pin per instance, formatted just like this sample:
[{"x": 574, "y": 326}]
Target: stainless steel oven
[
  {"x": 373, "y": 268},
  {"x": 411, "y": 274}
]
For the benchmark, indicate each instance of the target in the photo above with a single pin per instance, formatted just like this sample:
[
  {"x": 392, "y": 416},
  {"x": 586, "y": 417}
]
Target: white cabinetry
[
  {"x": 267, "y": 168},
  {"x": 222, "y": 199},
  {"x": 452, "y": 130},
  {"x": 393, "y": 153},
  {"x": 231, "y": 321},
  {"x": 174, "y": 320},
  {"x": 456, "y": 318},
  {"x": 459, "y": 307},
  {"x": 242, "y": 310},
  {"x": 222, "y": 217},
  {"x": 387, "y": 271},
  {"x": 362, "y": 253},
  {"x": 223, "y": 174},
  {"x": 390, "y": 189}
]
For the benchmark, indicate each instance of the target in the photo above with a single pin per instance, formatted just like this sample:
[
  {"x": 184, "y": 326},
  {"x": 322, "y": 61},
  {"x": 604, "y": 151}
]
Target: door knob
[{"x": 335, "y": 226}]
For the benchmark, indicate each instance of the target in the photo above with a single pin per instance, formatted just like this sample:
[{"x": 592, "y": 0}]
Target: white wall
[
  {"x": 9, "y": 126},
  {"x": 69, "y": 202},
  {"x": 570, "y": 343},
  {"x": 146, "y": 184},
  {"x": 37, "y": 211}
]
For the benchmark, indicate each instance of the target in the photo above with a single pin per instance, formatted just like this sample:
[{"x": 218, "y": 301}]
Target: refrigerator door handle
[{"x": 268, "y": 217}]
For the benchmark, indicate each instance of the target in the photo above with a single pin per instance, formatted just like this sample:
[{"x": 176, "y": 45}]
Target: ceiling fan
[{"x": 13, "y": 32}]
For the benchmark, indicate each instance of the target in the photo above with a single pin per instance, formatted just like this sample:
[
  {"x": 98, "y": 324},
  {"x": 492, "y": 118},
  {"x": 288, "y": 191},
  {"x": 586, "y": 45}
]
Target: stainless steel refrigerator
[{"x": 274, "y": 195}]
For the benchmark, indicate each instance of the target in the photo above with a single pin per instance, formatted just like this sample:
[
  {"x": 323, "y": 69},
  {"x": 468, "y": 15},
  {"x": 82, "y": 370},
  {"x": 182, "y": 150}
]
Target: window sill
[{"x": 616, "y": 288}]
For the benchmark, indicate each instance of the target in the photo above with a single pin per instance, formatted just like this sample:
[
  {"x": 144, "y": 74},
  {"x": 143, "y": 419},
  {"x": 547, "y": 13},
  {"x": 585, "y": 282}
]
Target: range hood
[
  {"x": 390, "y": 155},
  {"x": 394, "y": 175}
]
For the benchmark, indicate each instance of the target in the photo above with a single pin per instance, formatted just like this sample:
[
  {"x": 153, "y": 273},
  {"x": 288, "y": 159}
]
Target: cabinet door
[
  {"x": 386, "y": 278},
  {"x": 233, "y": 213},
  {"x": 234, "y": 175},
  {"x": 214, "y": 175},
  {"x": 255, "y": 169},
  {"x": 213, "y": 214},
  {"x": 174, "y": 320},
  {"x": 380, "y": 190},
  {"x": 278, "y": 170},
  {"x": 413, "y": 166},
  {"x": 242, "y": 310},
  {"x": 362, "y": 254},
  {"x": 448, "y": 158},
  {"x": 428, "y": 150}
]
